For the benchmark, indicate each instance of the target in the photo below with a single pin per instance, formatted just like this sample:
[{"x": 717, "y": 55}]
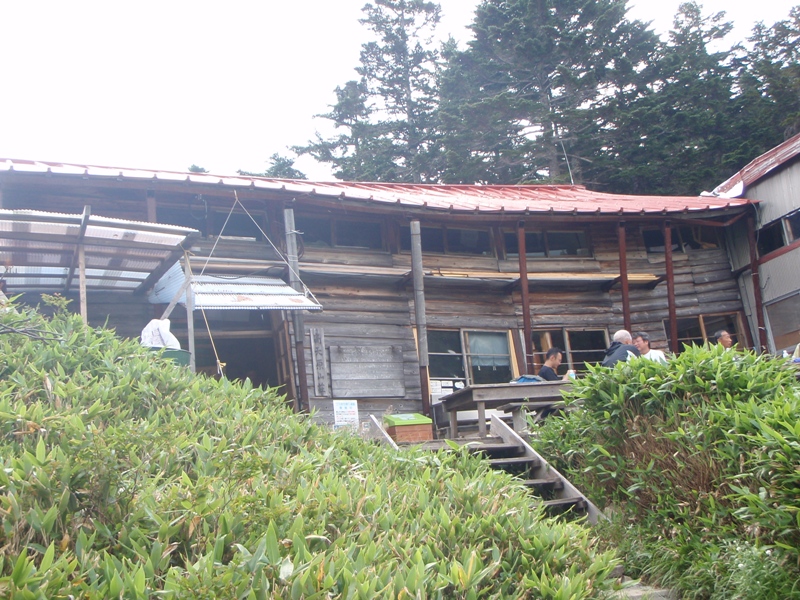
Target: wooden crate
[{"x": 411, "y": 433}]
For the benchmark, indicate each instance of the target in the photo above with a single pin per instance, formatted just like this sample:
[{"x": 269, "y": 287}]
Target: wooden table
[{"x": 495, "y": 395}]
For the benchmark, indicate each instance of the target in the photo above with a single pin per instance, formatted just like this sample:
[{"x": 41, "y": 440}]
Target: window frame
[
  {"x": 568, "y": 361},
  {"x": 443, "y": 229},
  {"x": 334, "y": 232},
  {"x": 740, "y": 334},
  {"x": 546, "y": 243},
  {"x": 682, "y": 236},
  {"x": 466, "y": 355}
]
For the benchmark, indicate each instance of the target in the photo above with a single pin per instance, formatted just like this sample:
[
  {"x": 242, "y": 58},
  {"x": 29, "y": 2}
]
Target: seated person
[
  {"x": 642, "y": 342},
  {"x": 724, "y": 339},
  {"x": 620, "y": 349},
  {"x": 552, "y": 362}
]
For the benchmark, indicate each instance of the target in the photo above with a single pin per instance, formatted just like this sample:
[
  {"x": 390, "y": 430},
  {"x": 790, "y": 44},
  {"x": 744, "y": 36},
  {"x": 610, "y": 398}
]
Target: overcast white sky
[{"x": 166, "y": 84}]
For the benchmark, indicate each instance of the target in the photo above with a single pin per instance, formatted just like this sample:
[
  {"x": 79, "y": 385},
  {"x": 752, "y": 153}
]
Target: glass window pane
[
  {"x": 567, "y": 243},
  {"x": 446, "y": 366},
  {"x": 770, "y": 238},
  {"x": 494, "y": 374},
  {"x": 237, "y": 225},
  {"x": 784, "y": 322},
  {"x": 359, "y": 234},
  {"x": 793, "y": 222},
  {"x": 447, "y": 342},
  {"x": 469, "y": 241},
  {"x": 588, "y": 346},
  {"x": 488, "y": 348},
  {"x": 432, "y": 239},
  {"x": 316, "y": 231},
  {"x": 534, "y": 244}
]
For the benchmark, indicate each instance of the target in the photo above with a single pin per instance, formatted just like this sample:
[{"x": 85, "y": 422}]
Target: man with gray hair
[{"x": 620, "y": 349}]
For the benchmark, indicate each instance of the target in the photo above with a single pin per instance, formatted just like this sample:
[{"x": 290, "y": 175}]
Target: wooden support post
[
  {"x": 302, "y": 402},
  {"x": 761, "y": 336},
  {"x": 673, "y": 318},
  {"x": 82, "y": 283},
  {"x": 526, "y": 299},
  {"x": 623, "y": 276},
  {"x": 187, "y": 271},
  {"x": 152, "y": 212},
  {"x": 419, "y": 316}
]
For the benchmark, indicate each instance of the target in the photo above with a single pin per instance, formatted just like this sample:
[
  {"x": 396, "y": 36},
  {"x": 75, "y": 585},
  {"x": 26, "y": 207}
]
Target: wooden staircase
[{"x": 506, "y": 450}]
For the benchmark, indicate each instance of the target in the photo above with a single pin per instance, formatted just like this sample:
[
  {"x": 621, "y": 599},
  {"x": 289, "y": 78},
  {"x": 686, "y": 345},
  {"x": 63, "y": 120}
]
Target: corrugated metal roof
[
  {"x": 736, "y": 185},
  {"x": 564, "y": 199},
  {"x": 231, "y": 293},
  {"x": 38, "y": 250}
]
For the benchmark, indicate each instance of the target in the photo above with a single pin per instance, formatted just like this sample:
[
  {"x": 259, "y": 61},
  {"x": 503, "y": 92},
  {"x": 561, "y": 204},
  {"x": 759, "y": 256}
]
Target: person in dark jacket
[
  {"x": 620, "y": 349},
  {"x": 552, "y": 362}
]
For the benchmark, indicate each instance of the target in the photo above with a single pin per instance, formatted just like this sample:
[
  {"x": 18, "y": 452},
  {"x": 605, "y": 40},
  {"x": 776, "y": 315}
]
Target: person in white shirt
[
  {"x": 724, "y": 339},
  {"x": 642, "y": 342}
]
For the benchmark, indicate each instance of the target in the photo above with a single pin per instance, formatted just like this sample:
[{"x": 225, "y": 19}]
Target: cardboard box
[{"x": 412, "y": 427}]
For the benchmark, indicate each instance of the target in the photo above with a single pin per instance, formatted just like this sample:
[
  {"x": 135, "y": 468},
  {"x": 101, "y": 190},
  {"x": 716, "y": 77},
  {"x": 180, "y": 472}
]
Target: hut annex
[
  {"x": 770, "y": 280},
  {"x": 405, "y": 292}
]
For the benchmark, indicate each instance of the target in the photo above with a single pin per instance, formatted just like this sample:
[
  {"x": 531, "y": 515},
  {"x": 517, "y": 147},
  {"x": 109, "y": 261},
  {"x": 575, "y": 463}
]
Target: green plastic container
[
  {"x": 181, "y": 357},
  {"x": 406, "y": 419}
]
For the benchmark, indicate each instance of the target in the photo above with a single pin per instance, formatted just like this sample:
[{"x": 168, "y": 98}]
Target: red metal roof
[
  {"x": 562, "y": 199},
  {"x": 735, "y": 186}
]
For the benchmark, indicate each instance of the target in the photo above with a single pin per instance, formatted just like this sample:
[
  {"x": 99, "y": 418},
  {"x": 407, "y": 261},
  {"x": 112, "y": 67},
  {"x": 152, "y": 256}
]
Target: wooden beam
[
  {"x": 152, "y": 209},
  {"x": 673, "y": 318},
  {"x": 302, "y": 402},
  {"x": 526, "y": 299},
  {"x": 82, "y": 284},
  {"x": 759, "y": 308},
  {"x": 623, "y": 275},
  {"x": 87, "y": 212},
  {"x": 167, "y": 263},
  {"x": 187, "y": 271},
  {"x": 418, "y": 277}
]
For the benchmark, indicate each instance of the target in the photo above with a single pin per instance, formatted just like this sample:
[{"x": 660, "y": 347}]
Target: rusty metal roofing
[
  {"x": 735, "y": 186},
  {"x": 230, "y": 293},
  {"x": 480, "y": 199},
  {"x": 38, "y": 250}
]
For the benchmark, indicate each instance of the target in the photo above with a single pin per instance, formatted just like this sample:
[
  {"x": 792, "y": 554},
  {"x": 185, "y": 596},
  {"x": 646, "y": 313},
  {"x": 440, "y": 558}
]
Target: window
[
  {"x": 683, "y": 238},
  {"x": 326, "y": 232},
  {"x": 464, "y": 357},
  {"x": 696, "y": 330},
  {"x": 450, "y": 240},
  {"x": 784, "y": 323},
  {"x": 770, "y": 238},
  {"x": 580, "y": 346},
  {"x": 211, "y": 221},
  {"x": 544, "y": 244},
  {"x": 793, "y": 226}
]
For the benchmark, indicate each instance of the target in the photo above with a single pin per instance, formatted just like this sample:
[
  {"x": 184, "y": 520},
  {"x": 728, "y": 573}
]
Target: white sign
[{"x": 345, "y": 413}]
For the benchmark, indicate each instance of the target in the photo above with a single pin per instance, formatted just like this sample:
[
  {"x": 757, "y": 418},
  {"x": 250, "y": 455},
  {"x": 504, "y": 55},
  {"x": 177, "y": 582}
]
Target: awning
[
  {"x": 219, "y": 292},
  {"x": 39, "y": 251}
]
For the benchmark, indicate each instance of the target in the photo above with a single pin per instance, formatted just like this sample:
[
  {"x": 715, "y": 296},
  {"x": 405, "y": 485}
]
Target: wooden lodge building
[{"x": 488, "y": 277}]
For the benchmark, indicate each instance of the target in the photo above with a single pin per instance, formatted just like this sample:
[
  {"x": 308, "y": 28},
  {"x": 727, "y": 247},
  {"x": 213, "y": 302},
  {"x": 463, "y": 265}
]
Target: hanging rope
[{"x": 306, "y": 291}]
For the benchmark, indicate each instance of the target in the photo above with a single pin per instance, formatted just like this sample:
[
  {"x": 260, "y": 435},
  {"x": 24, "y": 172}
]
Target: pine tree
[
  {"x": 386, "y": 116},
  {"x": 528, "y": 90}
]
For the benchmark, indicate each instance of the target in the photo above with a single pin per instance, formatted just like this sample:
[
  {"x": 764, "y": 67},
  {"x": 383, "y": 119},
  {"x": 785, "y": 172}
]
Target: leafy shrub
[
  {"x": 125, "y": 476},
  {"x": 693, "y": 458}
]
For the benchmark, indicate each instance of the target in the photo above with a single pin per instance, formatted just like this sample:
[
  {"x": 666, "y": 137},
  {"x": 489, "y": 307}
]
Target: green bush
[
  {"x": 125, "y": 476},
  {"x": 692, "y": 459}
]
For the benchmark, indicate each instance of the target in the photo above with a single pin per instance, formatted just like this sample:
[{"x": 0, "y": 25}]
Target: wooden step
[
  {"x": 572, "y": 501},
  {"x": 551, "y": 483},
  {"x": 531, "y": 461}
]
